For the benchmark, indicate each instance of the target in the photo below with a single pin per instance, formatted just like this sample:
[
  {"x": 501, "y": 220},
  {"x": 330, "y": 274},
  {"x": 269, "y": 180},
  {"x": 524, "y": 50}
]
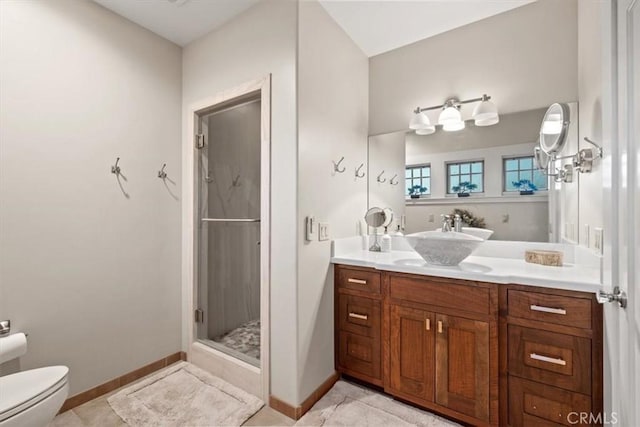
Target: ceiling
[
  {"x": 380, "y": 26},
  {"x": 181, "y": 21},
  {"x": 376, "y": 26}
]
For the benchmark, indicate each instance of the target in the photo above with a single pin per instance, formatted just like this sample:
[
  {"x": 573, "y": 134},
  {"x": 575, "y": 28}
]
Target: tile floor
[{"x": 98, "y": 413}]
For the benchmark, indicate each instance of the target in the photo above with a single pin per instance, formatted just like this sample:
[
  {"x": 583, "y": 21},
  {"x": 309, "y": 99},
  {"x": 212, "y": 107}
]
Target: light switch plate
[
  {"x": 323, "y": 231},
  {"x": 310, "y": 228}
]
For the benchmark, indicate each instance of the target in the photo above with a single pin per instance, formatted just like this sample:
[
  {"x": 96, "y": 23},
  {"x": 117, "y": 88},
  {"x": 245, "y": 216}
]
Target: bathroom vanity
[{"x": 478, "y": 352}]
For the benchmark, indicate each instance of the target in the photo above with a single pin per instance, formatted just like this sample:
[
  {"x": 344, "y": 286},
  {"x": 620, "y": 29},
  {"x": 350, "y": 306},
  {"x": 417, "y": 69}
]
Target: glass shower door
[{"x": 229, "y": 230}]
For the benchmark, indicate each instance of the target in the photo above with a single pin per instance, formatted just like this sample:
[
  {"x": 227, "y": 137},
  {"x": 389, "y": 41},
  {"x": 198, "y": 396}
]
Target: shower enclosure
[{"x": 229, "y": 227}]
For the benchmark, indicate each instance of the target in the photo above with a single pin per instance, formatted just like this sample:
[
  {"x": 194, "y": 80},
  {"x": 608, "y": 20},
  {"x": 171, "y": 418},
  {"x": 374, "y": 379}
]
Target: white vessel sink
[
  {"x": 443, "y": 248},
  {"x": 482, "y": 233}
]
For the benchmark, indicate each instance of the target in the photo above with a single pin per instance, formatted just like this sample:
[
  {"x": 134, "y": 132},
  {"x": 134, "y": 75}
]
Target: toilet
[
  {"x": 32, "y": 398},
  {"x": 29, "y": 398}
]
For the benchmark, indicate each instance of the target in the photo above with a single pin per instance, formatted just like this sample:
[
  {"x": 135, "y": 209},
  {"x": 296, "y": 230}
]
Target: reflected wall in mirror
[{"x": 487, "y": 171}]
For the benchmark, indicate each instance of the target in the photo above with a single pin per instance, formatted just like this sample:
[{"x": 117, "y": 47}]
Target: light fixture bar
[{"x": 452, "y": 102}]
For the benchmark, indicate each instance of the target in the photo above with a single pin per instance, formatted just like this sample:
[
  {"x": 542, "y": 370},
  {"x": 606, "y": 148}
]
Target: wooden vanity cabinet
[{"x": 480, "y": 353}]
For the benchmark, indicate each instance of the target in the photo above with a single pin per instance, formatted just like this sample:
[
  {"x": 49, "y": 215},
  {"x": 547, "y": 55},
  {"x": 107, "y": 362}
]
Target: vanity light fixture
[{"x": 450, "y": 118}]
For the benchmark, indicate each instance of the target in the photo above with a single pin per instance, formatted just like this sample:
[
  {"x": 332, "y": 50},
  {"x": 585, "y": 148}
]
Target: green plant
[
  {"x": 524, "y": 185},
  {"x": 416, "y": 190},
  {"x": 464, "y": 187},
  {"x": 469, "y": 219}
]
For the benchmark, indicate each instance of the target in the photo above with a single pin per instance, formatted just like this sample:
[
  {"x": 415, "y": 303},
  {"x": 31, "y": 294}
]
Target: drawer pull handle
[
  {"x": 358, "y": 316},
  {"x": 553, "y": 360},
  {"x": 548, "y": 309},
  {"x": 427, "y": 324},
  {"x": 357, "y": 281},
  {"x": 439, "y": 326}
]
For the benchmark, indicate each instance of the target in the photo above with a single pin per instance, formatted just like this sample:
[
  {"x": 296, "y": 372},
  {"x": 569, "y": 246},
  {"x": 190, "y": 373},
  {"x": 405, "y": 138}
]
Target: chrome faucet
[
  {"x": 457, "y": 223},
  {"x": 446, "y": 223}
]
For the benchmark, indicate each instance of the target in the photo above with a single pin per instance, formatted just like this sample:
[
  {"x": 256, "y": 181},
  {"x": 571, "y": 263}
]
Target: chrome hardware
[
  {"x": 583, "y": 161},
  {"x": 392, "y": 182},
  {"x": 427, "y": 324},
  {"x": 357, "y": 281},
  {"x": 457, "y": 223},
  {"x": 161, "y": 173},
  {"x": 230, "y": 220},
  {"x": 199, "y": 141},
  {"x": 358, "y": 174},
  {"x": 115, "y": 168},
  {"x": 543, "y": 309},
  {"x": 446, "y": 223},
  {"x": 358, "y": 316},
  {"x": 336, "y": 166},
  {"x": 439, "y": 326},
  {"x": 379, "y": 178},
  {"x": 555, "y": 361},
  {"x": 617, "y": 295},
  {"x": 5, "y": 327}
]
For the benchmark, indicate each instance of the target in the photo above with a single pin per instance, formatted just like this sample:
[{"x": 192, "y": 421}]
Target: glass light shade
[
  {"x": 450, "y": 115},
  {"x": 420, "y": 121},
  {"x": 487, "y": 122},
  {"x": 426, "y": 131},
  {"x": 453, "y": 126},
  {"x": 484, "y": 111}
]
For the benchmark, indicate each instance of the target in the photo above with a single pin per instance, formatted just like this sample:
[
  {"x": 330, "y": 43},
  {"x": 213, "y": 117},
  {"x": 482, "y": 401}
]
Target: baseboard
[
  {"x": 125, "y": 379},
  {"x": 296, "y": 412}
]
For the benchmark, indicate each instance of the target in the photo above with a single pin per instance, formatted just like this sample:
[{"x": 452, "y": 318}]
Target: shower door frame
[{"x": 233, "y": 370}]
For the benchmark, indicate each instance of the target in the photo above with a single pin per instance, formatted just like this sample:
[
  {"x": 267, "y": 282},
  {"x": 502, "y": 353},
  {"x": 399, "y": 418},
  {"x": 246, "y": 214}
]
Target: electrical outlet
[
  {"x": 587, "y": 235},
  {"x": 431, "y": 218},
  {"x": 310, "y": 228},
  {"x": 323, "y": 231},
  {"x": 598, "y": 240}
]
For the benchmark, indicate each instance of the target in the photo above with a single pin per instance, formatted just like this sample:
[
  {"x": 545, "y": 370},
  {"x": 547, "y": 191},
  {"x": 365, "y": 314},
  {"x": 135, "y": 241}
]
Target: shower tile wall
[{"x": 233, "y": 249}]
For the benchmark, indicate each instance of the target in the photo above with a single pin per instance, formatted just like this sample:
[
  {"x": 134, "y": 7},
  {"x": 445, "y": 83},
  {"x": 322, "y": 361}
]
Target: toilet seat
[{"x": 25, "y": 389}]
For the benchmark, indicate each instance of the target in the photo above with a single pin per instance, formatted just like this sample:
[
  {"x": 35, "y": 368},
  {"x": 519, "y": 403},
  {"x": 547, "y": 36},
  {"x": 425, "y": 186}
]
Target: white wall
[
  {"x": 260, "y": 41},
  {"x": 525, "y": 58},
  {"x": 590, "y": 60},
  {"x": 92, "y": 275},
  {"x": 332, "y": 111}
]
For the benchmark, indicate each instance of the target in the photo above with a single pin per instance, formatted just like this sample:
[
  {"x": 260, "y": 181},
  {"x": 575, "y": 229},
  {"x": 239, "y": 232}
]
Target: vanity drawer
[
  {"x": 556, "y": 359},
  {"x": 358, "y": 280},
  {"x": 359, "y": 315},
  {"x": 561, "y": 310},
  {"x": 463, "y": 297},
  {"x": 534, "y": 404},
  {"x": 359, "y": 355}
]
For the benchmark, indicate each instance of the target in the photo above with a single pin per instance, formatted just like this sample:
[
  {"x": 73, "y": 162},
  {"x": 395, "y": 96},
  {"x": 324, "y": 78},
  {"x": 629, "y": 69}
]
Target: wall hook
[
  {"x": 115, "y": 168},
  {"x": 391, "y": 180},
  {"x": 379, "y": 179},
  {"x": 358, "y": 174},
  {"x": 336, "y": 166},
  {"x": 161, "y": 173}
]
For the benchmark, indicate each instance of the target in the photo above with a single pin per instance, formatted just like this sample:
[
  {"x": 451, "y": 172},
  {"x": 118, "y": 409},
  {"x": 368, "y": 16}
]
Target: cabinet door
[
  {"x": 462, "y": 365},
  {"x": 412, "y": 351}
]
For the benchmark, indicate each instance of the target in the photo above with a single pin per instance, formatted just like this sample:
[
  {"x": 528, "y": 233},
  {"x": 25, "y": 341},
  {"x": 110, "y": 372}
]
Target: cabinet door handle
[
  {"x": 427, "y": 324},
  {"x": 439, "y": 326},
  {"x": 555, "y": 361},
  {"x": 544, "y": 309},
  {"x": 357, "y": 281},
  {"x": 358, "y": 316}
]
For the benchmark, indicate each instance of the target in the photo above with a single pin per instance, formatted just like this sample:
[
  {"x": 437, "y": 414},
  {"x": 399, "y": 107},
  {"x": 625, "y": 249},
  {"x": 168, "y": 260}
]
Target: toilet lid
[{"x": 24, "y": 389}]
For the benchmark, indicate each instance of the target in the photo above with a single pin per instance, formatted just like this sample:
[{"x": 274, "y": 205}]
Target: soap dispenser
[{"x": 385, "y": 242}]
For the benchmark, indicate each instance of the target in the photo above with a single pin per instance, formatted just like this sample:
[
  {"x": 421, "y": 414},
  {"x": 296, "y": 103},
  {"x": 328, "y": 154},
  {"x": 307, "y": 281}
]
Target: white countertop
[{"x": 480, "y": 268}]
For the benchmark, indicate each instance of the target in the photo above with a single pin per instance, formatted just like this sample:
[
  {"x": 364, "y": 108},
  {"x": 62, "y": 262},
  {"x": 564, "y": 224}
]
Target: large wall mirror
[{"x": 437, "y": 147}]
